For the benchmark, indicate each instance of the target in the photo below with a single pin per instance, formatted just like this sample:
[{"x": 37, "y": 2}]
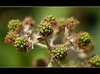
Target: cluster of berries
[
  {"x": 45, "y": 29},
  {"x": 14, "y": 37}
]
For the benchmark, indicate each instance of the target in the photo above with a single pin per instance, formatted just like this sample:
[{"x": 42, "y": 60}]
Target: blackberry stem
[
  {"x": 50, "y": 49},
  {"x": 54, "y": 36},
  {"x": 75, "y": 52},
  {"x": 38, "y": 44},
  {"x": 47, "y": 43},
  {"x": 51, "y": 63}
]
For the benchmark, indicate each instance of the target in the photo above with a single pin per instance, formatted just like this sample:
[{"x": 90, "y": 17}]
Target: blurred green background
[{"x": 89, "y": 18}]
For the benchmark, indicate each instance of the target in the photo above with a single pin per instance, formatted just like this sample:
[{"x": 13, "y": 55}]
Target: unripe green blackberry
[
  {"x": 71, "y": 23},
  {"x": 49, "y": 18},
  {"x": 84, "y": 38},
  {"x": 94, "y": 61},
  {"x": 10, "y": 37},
  {"x": 22, "y": 44},
  {"x": 45, "y": 29},
  {"x": 60, "y": 52},
  {"x": 13, "y": 24},
  {"x": 61, "y": 21}
]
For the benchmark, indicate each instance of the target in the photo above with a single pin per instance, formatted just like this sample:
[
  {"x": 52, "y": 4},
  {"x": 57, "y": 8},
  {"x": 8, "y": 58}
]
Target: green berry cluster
[
  {"x": 50, "y": 17},
  {"x": 61, "y": 21},
  {"x": 60, "y": 52},
  {"x": 11, "y": 35},
  {"x": 20, "y": 43},
  {"x": 95, "y": 61},
  {"x": 71, "y": 20},
  {"x": 84, "y": 38},
  {"x": 45, "y": 29},
  {"x": 12, "y": 25}
]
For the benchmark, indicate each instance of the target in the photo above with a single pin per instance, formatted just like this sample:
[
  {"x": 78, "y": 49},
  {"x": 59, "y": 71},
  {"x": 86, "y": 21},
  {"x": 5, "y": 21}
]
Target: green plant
[
  {"x": 94, "y": 61},
  {"x": 73, "y": 47}
]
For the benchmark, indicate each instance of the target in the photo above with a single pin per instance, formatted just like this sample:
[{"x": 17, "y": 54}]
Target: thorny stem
[
  {"x": 37, "y": 43},
  {"x": 59, "y": 65},
  {"x": 47, "y": 43},
  {"x": 75, "y": 52},
  {"x": 41, "y": 45},
  {"x": 50, "y": 49},
  {"x": 51, "y": 63},
  {"x": 54, "y": 36}
]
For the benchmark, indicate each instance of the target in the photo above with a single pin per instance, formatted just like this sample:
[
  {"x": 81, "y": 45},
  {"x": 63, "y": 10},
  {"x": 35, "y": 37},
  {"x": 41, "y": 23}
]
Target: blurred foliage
[{"x": 89, "y": 18}]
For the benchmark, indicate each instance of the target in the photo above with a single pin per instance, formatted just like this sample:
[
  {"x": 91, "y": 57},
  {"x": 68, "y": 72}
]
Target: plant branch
[
  {"x": 50, "y": 49},
  {"x": 51, "y": 63},
  {"x": 47, "y": 43}
]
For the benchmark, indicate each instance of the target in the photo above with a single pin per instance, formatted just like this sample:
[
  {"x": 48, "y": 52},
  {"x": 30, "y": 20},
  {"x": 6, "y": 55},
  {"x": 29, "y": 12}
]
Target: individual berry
[
  {"x": 45, "y": 30},
  {"x": 60, "y": 52},
  {"x": 14, "y": 25},
  {"x": 22, "y": 44},
  {"x": 10, "y": 37},
  {"x": 71, "y": 23},
  {"x": 83, "y": 40},
  {"x": 94, "y": 61}
]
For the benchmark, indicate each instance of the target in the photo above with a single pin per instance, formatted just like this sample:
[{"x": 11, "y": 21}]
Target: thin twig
[
  {"x": 51, "y": 63},
  {"x": 47, "y": 43},
  {"x": 50, "y": 49}
]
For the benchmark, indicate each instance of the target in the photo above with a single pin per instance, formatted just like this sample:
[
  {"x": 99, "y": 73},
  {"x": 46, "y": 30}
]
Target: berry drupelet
[
  {"x": 94, "y": 61},
  {"x": 22, "y": 44},
  {"x": 60, "y": 52}
]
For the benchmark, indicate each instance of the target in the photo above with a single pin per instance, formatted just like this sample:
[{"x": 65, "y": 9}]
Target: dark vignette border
[{"x": 49, "y": 3}]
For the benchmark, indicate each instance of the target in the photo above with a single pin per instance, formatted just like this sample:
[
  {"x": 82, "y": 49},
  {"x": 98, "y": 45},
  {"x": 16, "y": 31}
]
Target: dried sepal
[{"x": 28, "y": 21}]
